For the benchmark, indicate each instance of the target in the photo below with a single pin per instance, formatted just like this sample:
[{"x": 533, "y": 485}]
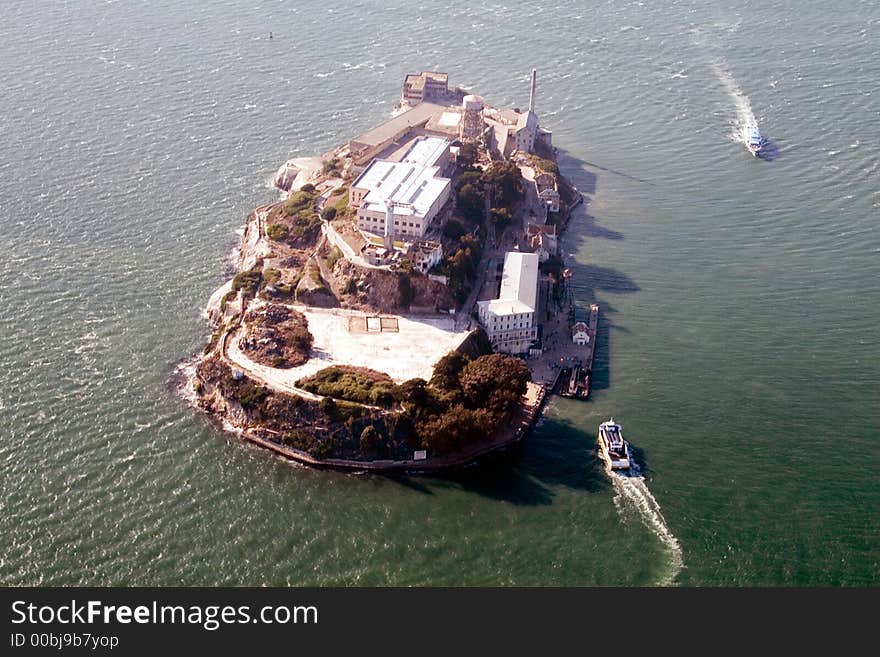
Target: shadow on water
[
  {"x": 556, "y": 454},
  {"x": 566, "y": 161},
  {"x": 590, "y": 279}
]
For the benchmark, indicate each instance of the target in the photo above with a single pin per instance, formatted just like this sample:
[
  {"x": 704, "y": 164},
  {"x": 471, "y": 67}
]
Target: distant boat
[
  {"x": 613, "y": 449},
  {"x": 754, "y": 140}
]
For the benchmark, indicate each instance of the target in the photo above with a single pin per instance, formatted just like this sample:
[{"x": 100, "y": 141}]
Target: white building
[
  {"x": 412, "y": 187},
  {"x": 579, "y": 333},
  {"x": 509, "y": 320}
]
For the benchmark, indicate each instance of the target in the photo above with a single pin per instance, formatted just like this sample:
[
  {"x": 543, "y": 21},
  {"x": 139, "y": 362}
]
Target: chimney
[
  {"x": 388, "y": 241},
  {"x": 532, "y": 94}
]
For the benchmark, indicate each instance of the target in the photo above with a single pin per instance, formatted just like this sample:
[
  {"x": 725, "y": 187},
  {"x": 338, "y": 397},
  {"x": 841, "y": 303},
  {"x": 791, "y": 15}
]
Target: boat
[
  {"x": 613, "y": 449},
  {"x": 754, "y": 140}
]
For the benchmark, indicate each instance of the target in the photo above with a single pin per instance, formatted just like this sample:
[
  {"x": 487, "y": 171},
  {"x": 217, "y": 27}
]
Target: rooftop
[
  {"x": 426, "y": 151},
  {"x": 527, "y": 119},
  {"x": 417, "y": 80},
  {"x": 519, "y": 285},
  {"x": 414, "y": 185},
  {"x": 417, "y": 115}
]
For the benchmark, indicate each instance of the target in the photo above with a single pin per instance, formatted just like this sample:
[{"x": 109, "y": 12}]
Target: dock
[{"x": 576, "y": 369}]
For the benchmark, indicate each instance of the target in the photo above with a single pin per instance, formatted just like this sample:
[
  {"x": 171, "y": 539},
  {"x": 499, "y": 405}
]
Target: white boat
[
  {"x": 613, "y": 449},
  {"x": 754, "y": 140}
]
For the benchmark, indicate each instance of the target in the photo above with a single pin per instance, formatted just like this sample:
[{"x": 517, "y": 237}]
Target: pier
[{"x": 566, "y": 364}]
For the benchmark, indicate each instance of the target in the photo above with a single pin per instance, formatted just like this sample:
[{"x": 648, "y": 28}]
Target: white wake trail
[
  {"x": 634, "y": 490},
  {"x": 745, "y": 117}
]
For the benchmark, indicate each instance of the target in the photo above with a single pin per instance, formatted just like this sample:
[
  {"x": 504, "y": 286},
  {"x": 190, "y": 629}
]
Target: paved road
[{"x": 338, "y": 241}]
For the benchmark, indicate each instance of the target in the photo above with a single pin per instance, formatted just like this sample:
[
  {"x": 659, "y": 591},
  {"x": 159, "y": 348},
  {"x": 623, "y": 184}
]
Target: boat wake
[
  {"x": 631, "y": 489},
  {"x": 745, "y": 117}
]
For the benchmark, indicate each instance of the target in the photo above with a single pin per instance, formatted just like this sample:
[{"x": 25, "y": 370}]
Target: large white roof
[
  {"x": 519, "y": 285},
  {"x": 413, "y": 185},
  {"x": 412, "y": 182},
  {"x": 426, "y": 151}
]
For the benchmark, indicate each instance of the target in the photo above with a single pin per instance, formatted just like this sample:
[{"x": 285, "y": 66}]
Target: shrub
[
  {"x": 299, "y": 201},
  {"x": 328, "y": 213},
  {"x": 354, "y": 384},
  {"x": 467, "y": 155},
  {"x": 308, "y": 188},
  {"x": 486, "y": 379},
  {"x": 250, "y": 394},
  {"x": 328, "y": 407},
  {"x": 545, "y": 165},
  {"x": 342, "y": 204},
  {"x": 370, "y": 439},
  {"x": 299, "y": 439},
  {"x": 271, "y": 276},
  {"x": 333, "y": 258},
  {"x": 277, "y": 232},
  {"x": 249, "y": 281},
  {"x": 300, "y": 339}
]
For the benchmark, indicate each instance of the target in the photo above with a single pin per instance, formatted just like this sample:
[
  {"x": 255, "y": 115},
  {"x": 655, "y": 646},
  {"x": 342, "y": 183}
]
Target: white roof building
[
  {"x": 412, "y": 185},
  {"x": 509, "y": 320}
]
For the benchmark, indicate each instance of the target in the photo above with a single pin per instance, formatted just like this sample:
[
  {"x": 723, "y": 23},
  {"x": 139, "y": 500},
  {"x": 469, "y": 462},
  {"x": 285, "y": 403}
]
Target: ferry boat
[
  {"x": 754, "y": 140},
  {"x": 613, "y": 449}
]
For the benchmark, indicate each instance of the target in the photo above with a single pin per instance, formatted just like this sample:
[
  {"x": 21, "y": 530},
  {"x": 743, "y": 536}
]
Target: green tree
[
  {"x": 370, "y": 440},
  {"x": 447, "y": 371},
  {"x": 495, "y": 378},
  {"x": 553, "y": 266},
  {"x": 506, "y": 181},
  {"x": 470, "y": 202}
]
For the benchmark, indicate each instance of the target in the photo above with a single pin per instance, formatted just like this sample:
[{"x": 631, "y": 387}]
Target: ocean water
[{"x": 740, "y": 297}]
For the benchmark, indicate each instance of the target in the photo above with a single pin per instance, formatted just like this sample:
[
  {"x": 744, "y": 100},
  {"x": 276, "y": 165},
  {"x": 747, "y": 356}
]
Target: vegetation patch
[
  {"x": 248, "y": 282},
  {"x": 277, "y": 336},
  {"x": 277, "y": 231},
  {"x": 461, "y": 266},
  {"x": 297, "y": 223},
  {"x": 466, "y": 402},
  {"x": 355, "y": 384},
  {"x": 547, "y": 166}
]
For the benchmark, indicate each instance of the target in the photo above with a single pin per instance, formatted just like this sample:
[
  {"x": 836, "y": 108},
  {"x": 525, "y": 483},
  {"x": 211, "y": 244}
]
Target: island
[{"x": 402, "y": 306}]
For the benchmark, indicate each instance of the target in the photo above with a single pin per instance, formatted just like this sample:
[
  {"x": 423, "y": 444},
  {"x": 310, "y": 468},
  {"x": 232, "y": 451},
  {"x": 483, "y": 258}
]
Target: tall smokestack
[
  {"x": 532, "y": 94},
  {"x": 388, "y": 233}
]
